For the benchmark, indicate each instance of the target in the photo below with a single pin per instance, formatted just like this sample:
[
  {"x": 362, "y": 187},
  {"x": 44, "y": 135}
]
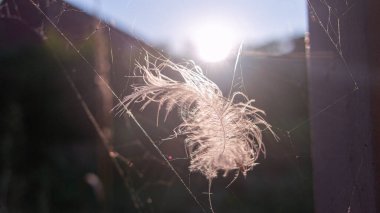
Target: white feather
[{"x": 221, "y": 135}]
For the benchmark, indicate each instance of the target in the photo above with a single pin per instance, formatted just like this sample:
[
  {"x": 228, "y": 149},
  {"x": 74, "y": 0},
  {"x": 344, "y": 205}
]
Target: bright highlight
[{"x": 213, "y": 42}]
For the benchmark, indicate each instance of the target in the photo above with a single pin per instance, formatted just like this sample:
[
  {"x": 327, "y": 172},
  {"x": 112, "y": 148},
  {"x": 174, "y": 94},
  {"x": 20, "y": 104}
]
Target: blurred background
[{"x": 64, "y": 148}]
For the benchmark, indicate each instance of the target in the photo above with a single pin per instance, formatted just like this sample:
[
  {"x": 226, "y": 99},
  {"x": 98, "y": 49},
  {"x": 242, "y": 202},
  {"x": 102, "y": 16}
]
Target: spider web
[{"x": 136, "y": 133}]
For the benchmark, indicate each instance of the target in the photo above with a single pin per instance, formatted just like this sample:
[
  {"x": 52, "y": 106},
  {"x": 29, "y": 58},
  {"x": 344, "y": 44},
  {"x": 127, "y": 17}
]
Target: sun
[{"x": 213, "y": 42}]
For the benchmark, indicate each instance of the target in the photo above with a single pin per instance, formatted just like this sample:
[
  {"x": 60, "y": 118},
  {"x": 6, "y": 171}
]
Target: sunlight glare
[{"x": 213, "y": 42}]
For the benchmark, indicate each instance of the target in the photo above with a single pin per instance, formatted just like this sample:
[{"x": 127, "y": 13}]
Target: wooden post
[
  {"x": 340, "y": 85},
  {"x": 103, "y": 114}
]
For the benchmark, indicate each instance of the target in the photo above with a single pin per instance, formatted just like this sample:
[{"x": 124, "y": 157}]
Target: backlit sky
[{"x": 160, "y": 21}]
